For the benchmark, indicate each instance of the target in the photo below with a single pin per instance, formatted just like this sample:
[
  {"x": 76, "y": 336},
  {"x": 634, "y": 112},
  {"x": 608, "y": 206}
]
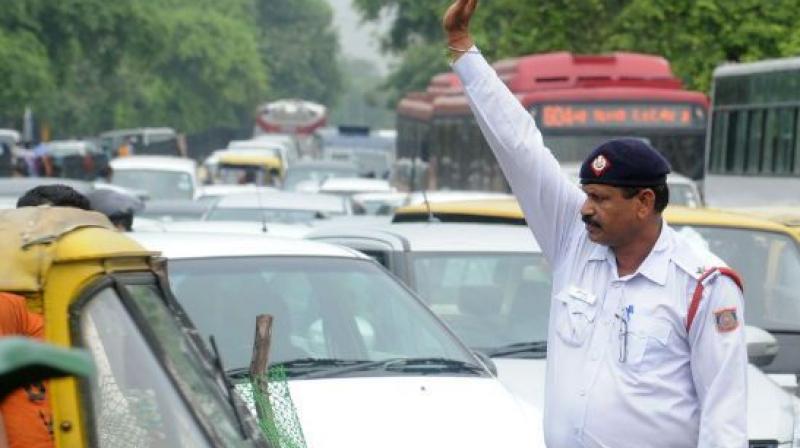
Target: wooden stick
[{"x": 260, "y": 359}]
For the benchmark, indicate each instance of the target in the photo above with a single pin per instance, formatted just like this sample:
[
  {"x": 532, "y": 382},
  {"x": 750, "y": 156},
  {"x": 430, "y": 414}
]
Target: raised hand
[{"x": 456, "y": 23}]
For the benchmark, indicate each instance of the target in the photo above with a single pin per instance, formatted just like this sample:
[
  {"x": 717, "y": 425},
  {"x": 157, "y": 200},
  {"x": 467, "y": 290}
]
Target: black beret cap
[{"x": 625, "y": 162}]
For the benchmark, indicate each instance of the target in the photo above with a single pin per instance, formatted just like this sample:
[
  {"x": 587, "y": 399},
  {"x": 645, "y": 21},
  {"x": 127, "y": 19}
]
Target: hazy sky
[{"x": 357, "y": 39}]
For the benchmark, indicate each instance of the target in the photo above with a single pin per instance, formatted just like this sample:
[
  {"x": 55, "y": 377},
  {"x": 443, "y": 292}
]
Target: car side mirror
[
  {"x": 762, "y": 347},
  {"x": 24, "y": 360},
  {"x": 486, "y": 361}
]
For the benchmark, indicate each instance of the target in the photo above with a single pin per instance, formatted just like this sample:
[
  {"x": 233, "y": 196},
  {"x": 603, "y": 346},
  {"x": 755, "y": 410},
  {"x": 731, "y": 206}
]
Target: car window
[
  {"x": 133, "y": 400},
  {"x": 158, "y": 183},
  {"x": 769, "y": 264},
  {"x": 323, "y": 308},
  {"x": 489, "y": 300},
  {"x": 683, "y": 195}
]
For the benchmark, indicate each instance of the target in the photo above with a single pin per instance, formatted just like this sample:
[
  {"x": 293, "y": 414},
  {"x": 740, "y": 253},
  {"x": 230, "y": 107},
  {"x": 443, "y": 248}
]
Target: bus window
[
  {"x": 786, "y": 136},
  {"x": 717, "y": 162},
  {"x": 738, "y": 135},
  {"x": 754, "y": 142},
  {"x": 797, "y": 144},
  {"x": 768, "y": 164}
]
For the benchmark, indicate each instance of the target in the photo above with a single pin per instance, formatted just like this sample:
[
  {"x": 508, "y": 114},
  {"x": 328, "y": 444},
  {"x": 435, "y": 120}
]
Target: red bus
[{"x": 578, "y": 101}]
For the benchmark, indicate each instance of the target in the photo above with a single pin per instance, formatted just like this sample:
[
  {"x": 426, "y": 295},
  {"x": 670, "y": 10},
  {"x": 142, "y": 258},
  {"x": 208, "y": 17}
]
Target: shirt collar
[{"x": 656, "y": 266}]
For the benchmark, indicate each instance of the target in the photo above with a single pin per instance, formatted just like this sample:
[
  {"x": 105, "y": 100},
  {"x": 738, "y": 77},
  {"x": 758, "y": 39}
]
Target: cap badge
[{"x": 600, "y": 165}]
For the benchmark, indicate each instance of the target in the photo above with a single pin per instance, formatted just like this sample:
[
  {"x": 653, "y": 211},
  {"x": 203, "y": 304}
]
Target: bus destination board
[{"x": 615, "y": 115}]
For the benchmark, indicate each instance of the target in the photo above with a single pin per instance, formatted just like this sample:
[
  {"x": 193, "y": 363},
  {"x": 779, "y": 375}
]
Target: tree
[
  {"x": 300, "y": 49},
  {"x": 90, "y": 65},
  {"x": 694, "y": 35}
]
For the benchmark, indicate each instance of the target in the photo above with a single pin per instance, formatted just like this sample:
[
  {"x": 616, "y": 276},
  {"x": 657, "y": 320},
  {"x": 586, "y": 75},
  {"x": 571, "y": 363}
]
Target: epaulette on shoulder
[{"x": 690, "y": 261}]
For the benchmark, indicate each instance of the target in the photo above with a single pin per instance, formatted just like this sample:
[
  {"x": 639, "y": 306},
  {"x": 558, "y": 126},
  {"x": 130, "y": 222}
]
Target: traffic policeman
[{"x": 646, "y": 346}]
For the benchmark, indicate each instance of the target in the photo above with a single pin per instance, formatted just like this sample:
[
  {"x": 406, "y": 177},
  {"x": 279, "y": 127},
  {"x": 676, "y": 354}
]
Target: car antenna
[
  {"x": 261, "y": 209},
  {"x": 423, "y": 186}
]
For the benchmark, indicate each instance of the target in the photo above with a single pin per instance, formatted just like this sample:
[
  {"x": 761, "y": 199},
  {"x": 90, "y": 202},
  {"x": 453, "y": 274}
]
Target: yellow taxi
[
  {"x": 241, "y": 167},
  {"x": 766, "y": 254},
  {"x": 154, "y": 383}
]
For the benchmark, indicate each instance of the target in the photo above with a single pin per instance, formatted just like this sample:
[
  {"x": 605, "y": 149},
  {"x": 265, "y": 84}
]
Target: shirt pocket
[
  {"x": 648, "y": 339},
  {"x": 575, "y": 318}
]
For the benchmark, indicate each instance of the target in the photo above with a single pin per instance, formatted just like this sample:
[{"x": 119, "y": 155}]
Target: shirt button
[
  {"x": 582, "y": 392},
  {"x": 617, "y": 285}
]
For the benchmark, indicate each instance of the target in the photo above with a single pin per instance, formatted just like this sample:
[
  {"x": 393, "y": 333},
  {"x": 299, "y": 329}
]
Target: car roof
[
  {"x": 335, "y": 184},
  {"x": 440, "y": 237},
  {"x": 16, "y": 186},
  {"x": 175, "y": 205},
  {"x": 676, "y": 215},
  {"x": 229, "y": 189},
  {"x": 283, "y": 200},
  {"x": 160, "y": 163},
  {"x": 174, "y": 245},
  {"x": 322, "y": 164}
]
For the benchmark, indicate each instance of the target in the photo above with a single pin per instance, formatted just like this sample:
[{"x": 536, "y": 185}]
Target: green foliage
[
  {"x": 85, "y": 66},
  {"x": 694, "y": 35},
  {"x": 300, "y": 49}
]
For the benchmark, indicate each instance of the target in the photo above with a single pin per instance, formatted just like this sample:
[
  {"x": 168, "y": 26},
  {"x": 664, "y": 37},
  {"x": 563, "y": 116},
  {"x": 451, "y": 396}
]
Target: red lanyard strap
[{"x": 698, "y": 291}]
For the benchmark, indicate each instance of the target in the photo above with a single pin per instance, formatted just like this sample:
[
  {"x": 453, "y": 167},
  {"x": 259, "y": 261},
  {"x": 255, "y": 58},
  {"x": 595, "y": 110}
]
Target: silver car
[{"x": 491, "y": 285}]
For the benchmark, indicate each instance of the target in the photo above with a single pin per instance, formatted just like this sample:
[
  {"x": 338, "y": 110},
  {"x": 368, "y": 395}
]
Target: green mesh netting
[{"x": 276, "y": 413}]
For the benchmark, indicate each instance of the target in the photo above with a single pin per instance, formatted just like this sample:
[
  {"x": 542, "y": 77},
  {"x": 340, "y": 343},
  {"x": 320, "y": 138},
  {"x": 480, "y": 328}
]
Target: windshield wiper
[
  {"x": 418, "y": 365},
  {"x": 534, "y": 349},
  {"x": 299, "y": 367},
  {"x": 217, "y": 363}
]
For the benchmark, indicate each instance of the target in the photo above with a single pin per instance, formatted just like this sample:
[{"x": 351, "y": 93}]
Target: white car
[
  {"x": 162, "y": 177},
  {"x": 491, "y": 285},
  {"x": 368, "y": 365},
  {"x": 279, "y": 206},
  {"x": 211, "y": 193},
  {"x": 271, "y": 229},
  {"x": 348, "y": 186}
]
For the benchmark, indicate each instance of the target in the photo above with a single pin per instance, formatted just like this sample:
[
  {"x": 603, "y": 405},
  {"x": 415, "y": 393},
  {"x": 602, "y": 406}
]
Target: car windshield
[
  {"x": 489, "y": 300},
  {"x": 769, "y": 264},
  {"x": 159, "y": 184},
  {"x": 325, "y": 309},
  {"x": 171, "y": 381},
  {"x": 301, "y": 174}
]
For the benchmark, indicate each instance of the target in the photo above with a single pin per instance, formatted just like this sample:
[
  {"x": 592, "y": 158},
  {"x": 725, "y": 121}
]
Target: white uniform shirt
[{"x": 674, "y": 389}]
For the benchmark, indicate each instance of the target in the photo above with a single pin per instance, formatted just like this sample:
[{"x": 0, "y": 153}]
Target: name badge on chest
[{"x": 582, "y": 295}]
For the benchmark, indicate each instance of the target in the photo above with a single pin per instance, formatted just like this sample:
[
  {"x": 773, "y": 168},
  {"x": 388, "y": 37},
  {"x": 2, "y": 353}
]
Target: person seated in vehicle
[{"x": 25, "y": 414}]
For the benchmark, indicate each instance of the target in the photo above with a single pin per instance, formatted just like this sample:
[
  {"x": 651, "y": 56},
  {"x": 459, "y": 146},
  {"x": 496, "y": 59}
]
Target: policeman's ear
[{"x": 646, "y": 198}]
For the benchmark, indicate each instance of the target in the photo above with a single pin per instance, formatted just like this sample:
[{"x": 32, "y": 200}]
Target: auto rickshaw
[
  {"x": 249, "y": 168},
  {"x": 154, "y": 383}
]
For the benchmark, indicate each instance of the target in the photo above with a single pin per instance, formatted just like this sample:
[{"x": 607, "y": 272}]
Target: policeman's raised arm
[{"x": 551, "y": 202}]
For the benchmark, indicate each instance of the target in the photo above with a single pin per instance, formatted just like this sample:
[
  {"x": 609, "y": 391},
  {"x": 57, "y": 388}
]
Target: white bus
[{"x": 753, "y": 143}]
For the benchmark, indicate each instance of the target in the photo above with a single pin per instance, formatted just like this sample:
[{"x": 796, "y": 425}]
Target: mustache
[{"x": 590, "y": 221}]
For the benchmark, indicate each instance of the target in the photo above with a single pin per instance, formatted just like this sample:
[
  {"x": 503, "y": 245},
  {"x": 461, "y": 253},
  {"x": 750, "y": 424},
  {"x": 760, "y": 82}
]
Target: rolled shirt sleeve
[
  {"x": 719, "y": 365},
  {"x": 550, "y": 201}
]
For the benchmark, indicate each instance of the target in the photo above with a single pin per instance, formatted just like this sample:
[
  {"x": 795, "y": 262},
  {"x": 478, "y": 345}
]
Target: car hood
[
  {"x": 770, "y": 412},
  {"x": 413, "y": 412}
]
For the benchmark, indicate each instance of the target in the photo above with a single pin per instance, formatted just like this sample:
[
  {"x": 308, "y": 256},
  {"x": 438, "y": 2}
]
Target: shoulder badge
[
  {"x": 726, "y": 320},
  {"x": 600, "y": 165}
]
